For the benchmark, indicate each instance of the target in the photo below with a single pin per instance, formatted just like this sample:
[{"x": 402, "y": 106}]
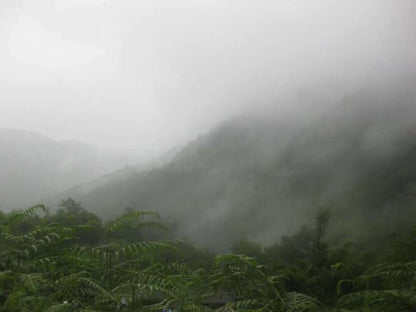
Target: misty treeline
[
  {"x": 73, "y": 261},
  {"x": 260, "y": 177}
]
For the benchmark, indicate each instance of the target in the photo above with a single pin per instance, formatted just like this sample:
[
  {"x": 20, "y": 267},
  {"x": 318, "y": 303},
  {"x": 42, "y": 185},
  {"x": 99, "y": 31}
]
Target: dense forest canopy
[{"x": 73, "y": 261}]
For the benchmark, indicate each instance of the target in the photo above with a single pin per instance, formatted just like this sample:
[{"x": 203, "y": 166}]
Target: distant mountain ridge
[
  {"x": 80, "y": 189},
  {"x": 261, "y": 177},
  {"x": 34, "y": 166}
]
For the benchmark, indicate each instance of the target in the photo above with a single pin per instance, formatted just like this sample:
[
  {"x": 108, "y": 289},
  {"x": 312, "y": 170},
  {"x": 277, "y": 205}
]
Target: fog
[
  {"x": 141, "y": 77},
  {"x": 207, "y": 155}
]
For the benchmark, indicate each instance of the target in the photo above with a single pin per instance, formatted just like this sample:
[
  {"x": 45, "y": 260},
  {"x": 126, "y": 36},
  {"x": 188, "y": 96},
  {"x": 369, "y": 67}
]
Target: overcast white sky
[{"x": 147, "y": 75}]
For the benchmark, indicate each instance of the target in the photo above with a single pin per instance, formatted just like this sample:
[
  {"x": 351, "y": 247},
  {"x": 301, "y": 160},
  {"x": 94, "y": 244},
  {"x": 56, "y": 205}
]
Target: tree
[
  {"x": 72, "y": 213},
  {"x": 319, "y": 247}
]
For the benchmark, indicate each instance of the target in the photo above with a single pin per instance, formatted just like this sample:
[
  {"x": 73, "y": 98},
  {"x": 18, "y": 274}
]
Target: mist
[
  {"x": 112, "y": 97},
  {"x": 207, "y": 155},
  {"x": 142, "y": 77},
  {"x": 118, "y": 88}
]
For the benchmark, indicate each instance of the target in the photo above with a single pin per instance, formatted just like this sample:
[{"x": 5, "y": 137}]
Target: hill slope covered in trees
[{"x": 262, "y": 177}]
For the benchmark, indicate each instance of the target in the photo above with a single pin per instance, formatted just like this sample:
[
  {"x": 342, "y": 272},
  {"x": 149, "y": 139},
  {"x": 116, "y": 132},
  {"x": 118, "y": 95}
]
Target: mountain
[
  {"x": 81, "y": 189},
  {"x": 33, "y": 166},
  {"x": 261, "y": 177}
]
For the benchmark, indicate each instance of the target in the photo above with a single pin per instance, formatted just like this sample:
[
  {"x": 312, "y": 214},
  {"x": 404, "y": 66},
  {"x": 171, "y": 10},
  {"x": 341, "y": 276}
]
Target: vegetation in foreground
[{"x": 72, "y": 261}]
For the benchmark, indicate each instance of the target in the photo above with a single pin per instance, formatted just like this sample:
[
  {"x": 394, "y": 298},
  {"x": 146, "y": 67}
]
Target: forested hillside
[{"x": 261, "y": 177}]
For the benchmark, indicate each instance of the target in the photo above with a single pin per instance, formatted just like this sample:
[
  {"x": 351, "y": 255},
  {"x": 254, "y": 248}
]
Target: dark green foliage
[
  {"x": 85, "y": 265},
  {"x": 319, "y": 248},
  {"x": 72, "y": 213},
  {"x": 385, "y": 286},
  {"x": 58, "y": 267},
  {"x": 248, "y": 248},
  {"x": 292, "y": 248}
]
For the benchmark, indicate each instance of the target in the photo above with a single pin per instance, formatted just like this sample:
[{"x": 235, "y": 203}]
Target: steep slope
[
  {"x": 81, "y": 189},
  {"x": 262, "y": 177},
  {"x": 33, "y": 166}
]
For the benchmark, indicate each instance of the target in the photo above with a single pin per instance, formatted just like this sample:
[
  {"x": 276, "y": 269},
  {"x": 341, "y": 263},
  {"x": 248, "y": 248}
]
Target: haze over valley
[{"x": 207, "y": 155}]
